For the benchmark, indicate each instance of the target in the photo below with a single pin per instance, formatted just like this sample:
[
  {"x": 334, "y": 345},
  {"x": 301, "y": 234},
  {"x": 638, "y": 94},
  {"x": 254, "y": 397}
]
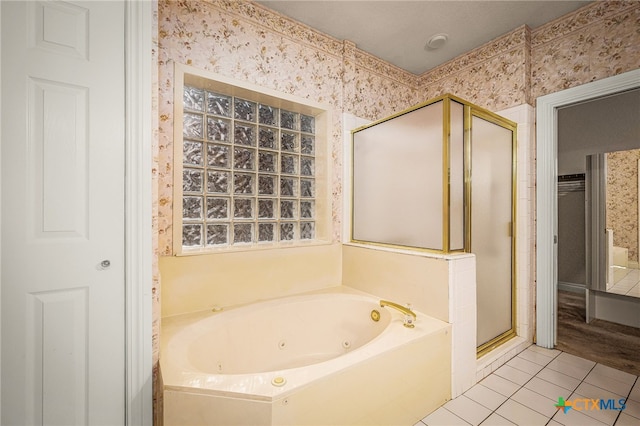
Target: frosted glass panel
[
  {"x": 397, "y": 180},
  {"x": 456, "y": 177},
  {"x": 491, "y": 203}
]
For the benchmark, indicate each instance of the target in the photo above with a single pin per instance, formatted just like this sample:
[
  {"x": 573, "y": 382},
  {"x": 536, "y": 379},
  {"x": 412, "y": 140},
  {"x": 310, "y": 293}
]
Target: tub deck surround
[
  {"x": 198, "y": 282},
  {"x": 440, "y": 285},
  {"x": 399, "y": 275},
  {"x": 355, "y": 370}
]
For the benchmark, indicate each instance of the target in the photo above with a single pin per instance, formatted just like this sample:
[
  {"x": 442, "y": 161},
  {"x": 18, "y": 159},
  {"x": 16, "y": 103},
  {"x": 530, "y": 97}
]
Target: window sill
[{"x": 252, "y": 247}]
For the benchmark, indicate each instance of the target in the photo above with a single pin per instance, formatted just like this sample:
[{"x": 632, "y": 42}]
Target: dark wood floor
[{"x": 611, "y": 344}]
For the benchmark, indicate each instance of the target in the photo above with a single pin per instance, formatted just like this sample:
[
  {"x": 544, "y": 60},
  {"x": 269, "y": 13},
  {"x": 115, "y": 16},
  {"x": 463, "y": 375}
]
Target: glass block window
[{"x": 248, "y": 172}]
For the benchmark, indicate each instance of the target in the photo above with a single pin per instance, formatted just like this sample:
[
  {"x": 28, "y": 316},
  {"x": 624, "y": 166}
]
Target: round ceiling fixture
[{"x": 436, "y": 41}]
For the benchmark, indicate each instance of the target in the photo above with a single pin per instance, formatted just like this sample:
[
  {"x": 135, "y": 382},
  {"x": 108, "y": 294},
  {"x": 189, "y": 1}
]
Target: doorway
[{"x": 546, "y": 205}]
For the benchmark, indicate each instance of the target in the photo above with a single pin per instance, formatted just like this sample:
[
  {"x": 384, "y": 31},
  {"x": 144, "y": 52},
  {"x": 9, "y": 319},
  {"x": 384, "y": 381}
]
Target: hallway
[{"x": 614, "y": 345}]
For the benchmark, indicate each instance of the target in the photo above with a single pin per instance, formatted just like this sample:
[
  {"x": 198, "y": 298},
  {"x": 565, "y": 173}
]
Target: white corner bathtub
[{"x": 309, "y": 359}]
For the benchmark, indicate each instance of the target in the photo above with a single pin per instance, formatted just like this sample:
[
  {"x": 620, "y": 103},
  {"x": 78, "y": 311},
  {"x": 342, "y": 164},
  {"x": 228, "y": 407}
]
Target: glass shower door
[
  {"x": 441, "y": 177},
  {"x": 492, "y": 174}
]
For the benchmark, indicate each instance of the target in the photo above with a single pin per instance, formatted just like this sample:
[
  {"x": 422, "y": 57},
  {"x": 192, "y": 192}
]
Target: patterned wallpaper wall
[
  {"x": 245, "y": 41},
  {"x": 600, "y": 40},
  {"x": 622, "y": 199},
  {"x": 597, "y": 41},
  {"x": 155, "y": 289},
  {"x": 494, "y": 76}
]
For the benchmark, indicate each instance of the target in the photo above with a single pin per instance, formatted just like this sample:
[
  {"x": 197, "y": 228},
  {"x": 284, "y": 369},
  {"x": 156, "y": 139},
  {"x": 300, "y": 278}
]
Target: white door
[{"x": 63, "y": 325}]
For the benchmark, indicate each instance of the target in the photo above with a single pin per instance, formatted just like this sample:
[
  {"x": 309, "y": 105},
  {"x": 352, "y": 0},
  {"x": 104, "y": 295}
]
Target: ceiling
[{"x": 397, "y": 31}]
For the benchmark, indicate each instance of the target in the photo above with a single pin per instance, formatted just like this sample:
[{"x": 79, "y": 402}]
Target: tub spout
[{"x": 409, "y": 315}]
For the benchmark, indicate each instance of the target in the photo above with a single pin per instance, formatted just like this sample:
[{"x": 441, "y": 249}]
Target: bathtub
[{"x": 309, "y": 359}]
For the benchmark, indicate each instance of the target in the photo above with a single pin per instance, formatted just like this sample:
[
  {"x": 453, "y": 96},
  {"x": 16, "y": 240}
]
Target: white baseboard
[{"x": 572, "y": 287}]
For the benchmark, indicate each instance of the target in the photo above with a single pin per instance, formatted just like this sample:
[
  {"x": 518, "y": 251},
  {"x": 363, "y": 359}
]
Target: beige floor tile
[
  {"x": 635, "y": 392},
  {"x": 544, "y": 351},
  {"x": 524, "y": 392},
  {"x": 572, "y": 370},
  {"x": 576, "y": 360},
  {"x": 468, "y": 410},
  {"x": 627, "y": 282},
  {"x": 521, "y": 415},
  {"x": 485, "y": 396},
  {"x": 536, "y": 357},
  {"x": 511, "y": 373},
  {"x": 525, "y": 365},
  {"x": 607, "y": 417},
  {"x": 443, "y": 417},
  {"x": 500, "y": 385},
  {"x": 496, "y": 420},
  {"x": 626, "y": 420},
  {"x": 635, "y": 291},
  {"x": 608, "y": 383},
  {"x": 621, "y": 376},
  {"x": 547, "y": 389},
  {"x": 632, "y": 408},
  {"x": 586, "y": 406},
  {"x": 535, "y": 401},
  {"x": 618, "y": 290},
  {"x": 624, "y": 284},
  {"x": 558, "y": 378},
  {"x": 573, "y": 417},
  {"x": 591, "y": 391}
]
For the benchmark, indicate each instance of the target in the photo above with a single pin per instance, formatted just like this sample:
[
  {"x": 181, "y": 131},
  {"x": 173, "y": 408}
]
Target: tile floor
[
  {"x": 626, "y": 281},
  {"x": 525, "y": 391}
]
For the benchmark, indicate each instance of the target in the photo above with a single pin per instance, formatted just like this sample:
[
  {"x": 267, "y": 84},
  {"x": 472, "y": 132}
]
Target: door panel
[
  {"x": 63, "y": 213},
  {"x": 57, "y": 350},
  {"x": 57, "y": 162},
  {"x": 491, "y": 226}
]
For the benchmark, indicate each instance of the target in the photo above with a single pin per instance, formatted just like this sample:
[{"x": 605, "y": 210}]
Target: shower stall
[{"x": 440, "y": 177}]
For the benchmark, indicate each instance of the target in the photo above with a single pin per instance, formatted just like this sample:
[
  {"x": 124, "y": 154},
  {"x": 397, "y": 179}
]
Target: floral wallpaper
[
  {"x": 155, "y": 286},
  {"x": 622, "y": 199},
  {"x": 494, "y": 76},
  {"x": 374, "y": 89},
  {"x": 597, "y": 41},
  {"x": 600, "y": 40},
  {"x": 246, "y": 41}
]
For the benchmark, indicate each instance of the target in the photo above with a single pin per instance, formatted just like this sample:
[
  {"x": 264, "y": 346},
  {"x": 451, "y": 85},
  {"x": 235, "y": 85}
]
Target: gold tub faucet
[{"x": 409, "y": 315}]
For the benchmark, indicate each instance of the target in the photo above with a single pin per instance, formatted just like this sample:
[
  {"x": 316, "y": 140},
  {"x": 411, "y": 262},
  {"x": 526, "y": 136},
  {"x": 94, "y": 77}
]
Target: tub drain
[
  {"x": 346, "y": 344},
  {"x": 375, "y": 315},
  {"x": 278, "y": 381}
]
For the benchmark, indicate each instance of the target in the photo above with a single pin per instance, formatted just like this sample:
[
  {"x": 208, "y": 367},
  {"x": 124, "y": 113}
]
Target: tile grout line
[
  {"x": 626, "y": 293},
  {"x": 581, "y": 382},
  {"x": 493, "y": 372},
  {"x": 521, "y": 386},
  {"x": 635, "y": 382},
  {"x": 535, "y": 375},
  {"x": 606, "y": 390},
  {"x": 532, "y": 377}
]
